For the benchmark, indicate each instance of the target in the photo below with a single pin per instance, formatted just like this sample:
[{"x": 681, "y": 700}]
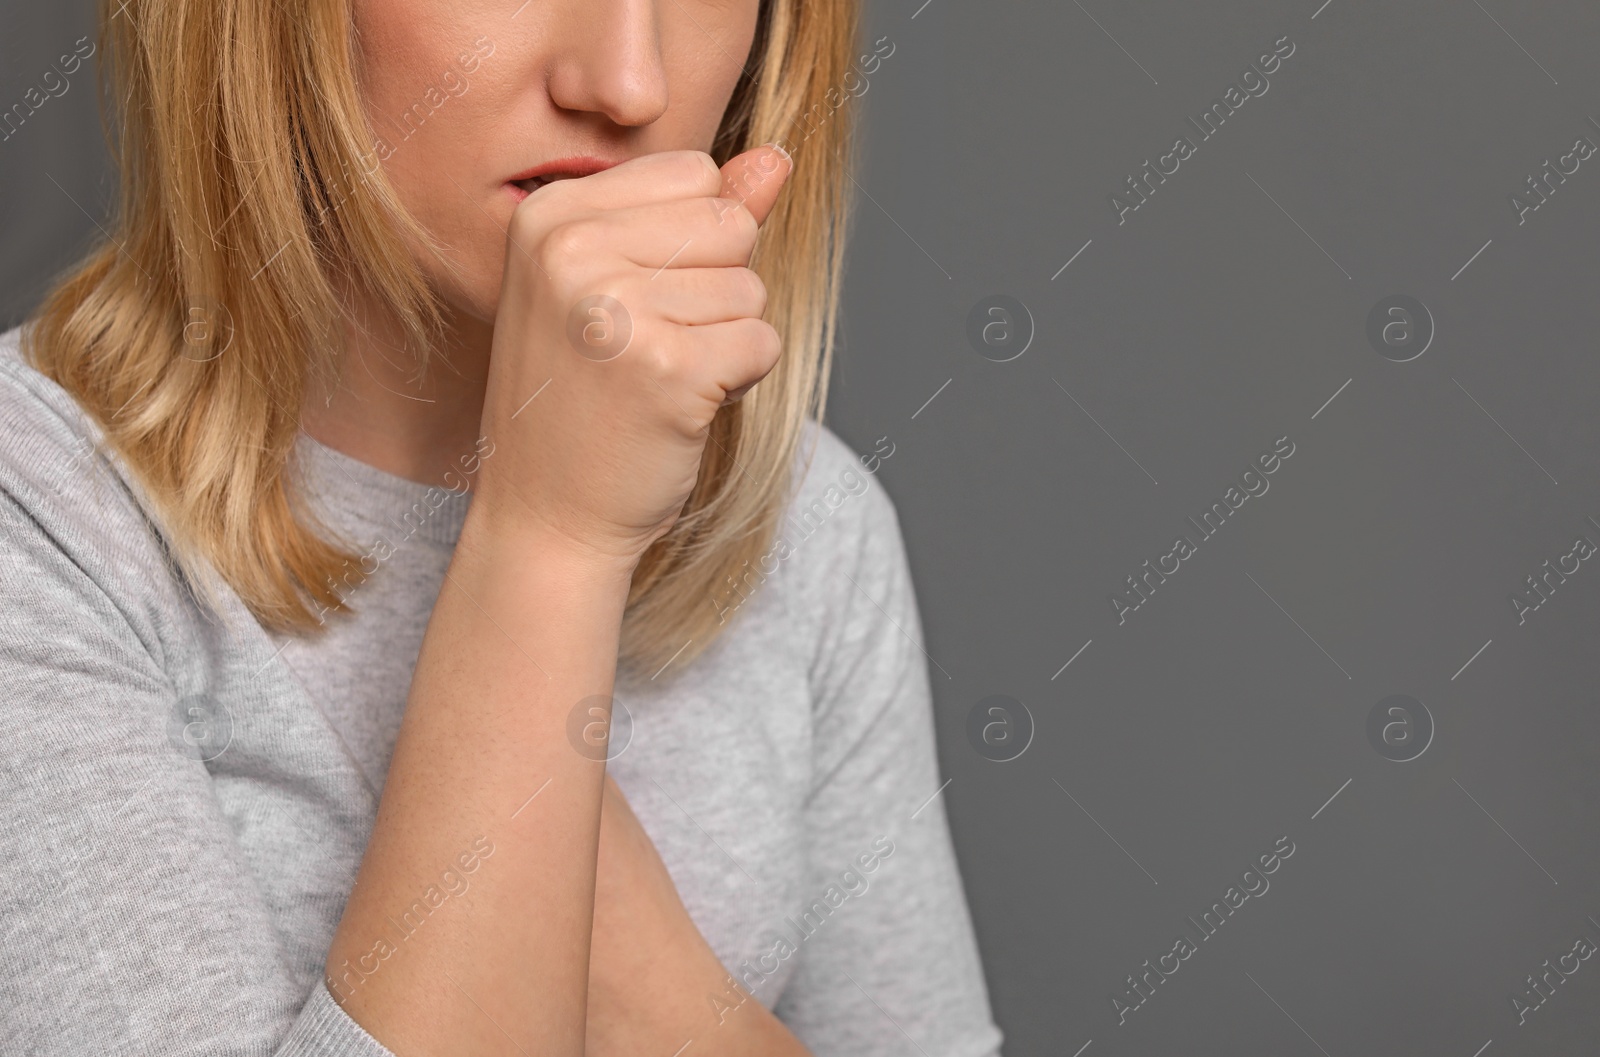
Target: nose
[{"x": 609, "y": 61}]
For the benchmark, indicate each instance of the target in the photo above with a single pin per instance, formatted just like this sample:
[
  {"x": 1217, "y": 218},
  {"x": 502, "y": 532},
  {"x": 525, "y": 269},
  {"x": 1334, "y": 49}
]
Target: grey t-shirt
[{"x": 186, "y": 797}]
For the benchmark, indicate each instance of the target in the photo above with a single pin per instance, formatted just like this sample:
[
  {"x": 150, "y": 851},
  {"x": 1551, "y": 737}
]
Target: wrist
[{"x": 510, "y": 544}]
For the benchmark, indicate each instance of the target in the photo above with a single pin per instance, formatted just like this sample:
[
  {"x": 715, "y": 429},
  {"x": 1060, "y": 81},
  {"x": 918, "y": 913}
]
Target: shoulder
[
  {"x": 72, "y": 521},
  {"x": 42, "y": 427},
  {"x": 838, "y": 506},
  {"x": 39, "y": 422},
  {"x": 842, "y": 533}
]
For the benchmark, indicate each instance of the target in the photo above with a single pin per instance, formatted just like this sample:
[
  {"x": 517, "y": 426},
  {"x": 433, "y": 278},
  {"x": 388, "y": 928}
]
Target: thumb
[{"x": 755, "y": 178}]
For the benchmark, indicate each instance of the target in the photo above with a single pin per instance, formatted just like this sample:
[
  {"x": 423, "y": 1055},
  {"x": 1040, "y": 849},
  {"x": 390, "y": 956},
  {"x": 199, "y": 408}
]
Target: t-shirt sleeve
[
  {"x": 893, "y": 965},
  {"x": 129, "y": 921}
]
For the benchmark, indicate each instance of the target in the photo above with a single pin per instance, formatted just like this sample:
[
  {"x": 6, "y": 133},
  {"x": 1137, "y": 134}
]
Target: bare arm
[
  {"x": 527, "y": 623},
  {"x": 655, "y": 985},
  {"x": 521, "y": 631}
]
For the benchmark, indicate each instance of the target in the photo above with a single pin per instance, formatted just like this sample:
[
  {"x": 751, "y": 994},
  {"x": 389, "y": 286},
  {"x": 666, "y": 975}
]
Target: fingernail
[{"x": 786, "y": 156}]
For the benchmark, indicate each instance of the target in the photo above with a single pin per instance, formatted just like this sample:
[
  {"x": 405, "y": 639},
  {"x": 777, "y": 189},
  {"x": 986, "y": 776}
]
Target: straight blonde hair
[{"x": 238, "y": 128}]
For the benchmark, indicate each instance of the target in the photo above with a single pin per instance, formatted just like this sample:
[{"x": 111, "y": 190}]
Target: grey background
[
  {"x": 55, "y": 182},
  {"x": 1229, "y": 310}
]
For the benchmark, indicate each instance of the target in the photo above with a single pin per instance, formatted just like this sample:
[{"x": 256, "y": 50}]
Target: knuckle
[
  {"x": 707, "y": 163},
  {"x": 767, "y": 340},
  {"x": 565, "y": 243},
  {"x": 755, "y": 289},
  {"x": 660, "y": 359},
  {"x": 524, "y": 227},
  {"x": 735, "y": 219},
  {"x": 696, "y": 169},
  {"x": 745, "y": 222},
  {"x": 735, "y": 222}
]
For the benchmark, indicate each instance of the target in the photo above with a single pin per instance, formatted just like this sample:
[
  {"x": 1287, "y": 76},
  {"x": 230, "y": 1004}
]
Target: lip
[{"x": 577, "y": 165}]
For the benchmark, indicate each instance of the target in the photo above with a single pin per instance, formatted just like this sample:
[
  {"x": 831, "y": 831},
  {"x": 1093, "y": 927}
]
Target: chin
[{"x": 471, "y": 297}]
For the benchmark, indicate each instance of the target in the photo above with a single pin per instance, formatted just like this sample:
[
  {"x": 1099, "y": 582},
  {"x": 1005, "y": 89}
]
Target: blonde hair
[{"x": 238, "y": 132}]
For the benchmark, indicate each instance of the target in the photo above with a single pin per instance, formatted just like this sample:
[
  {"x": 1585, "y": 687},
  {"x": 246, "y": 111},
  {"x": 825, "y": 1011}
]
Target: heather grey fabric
[{"x": 186, "y": 798}]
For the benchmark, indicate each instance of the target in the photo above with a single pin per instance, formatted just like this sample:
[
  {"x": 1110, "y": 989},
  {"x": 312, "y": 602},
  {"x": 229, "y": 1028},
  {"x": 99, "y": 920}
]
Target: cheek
[
  {"x": 431, "y": 100},
  {"x": 401, "y": 47},
  {"x": 704, "y": 49}
]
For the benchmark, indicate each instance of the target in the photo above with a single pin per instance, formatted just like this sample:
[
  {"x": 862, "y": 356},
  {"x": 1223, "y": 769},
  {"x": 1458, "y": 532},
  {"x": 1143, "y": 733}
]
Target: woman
[{"x": 403, "y": 438}]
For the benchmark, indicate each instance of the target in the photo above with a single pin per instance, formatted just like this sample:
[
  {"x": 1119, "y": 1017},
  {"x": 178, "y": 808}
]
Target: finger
[
  {"x": 755, "y": 177},
  {"x": 737, "y": 354},
  {"x": 701, "y": 232},
  {"x": 660, "y": 177},
  {"x": 701, "y": 296},
  {"x": 736, "y": 395}
]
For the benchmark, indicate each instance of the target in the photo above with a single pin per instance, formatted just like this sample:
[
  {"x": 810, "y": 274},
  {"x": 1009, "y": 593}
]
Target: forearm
[
  {"x": 522, "y": 631},
  {"x": 655, "y": 984},
  {"x": 721, "y": 1017},
  {"x": 673, "y": 1003}
]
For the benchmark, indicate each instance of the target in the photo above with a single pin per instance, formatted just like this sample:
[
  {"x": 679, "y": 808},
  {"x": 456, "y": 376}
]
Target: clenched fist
[{"x": 628, "y": 315}]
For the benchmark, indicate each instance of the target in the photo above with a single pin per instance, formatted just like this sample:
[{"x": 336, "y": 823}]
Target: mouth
[
  {"x": 533, "y": 183},
  {"x": 523, "y": 188},
  {"x": 566, "y": 169}
]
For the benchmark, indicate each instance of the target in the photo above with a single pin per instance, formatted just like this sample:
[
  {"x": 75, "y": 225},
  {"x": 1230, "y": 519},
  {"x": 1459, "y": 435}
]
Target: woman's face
[{"x": 467, "y": 95}]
